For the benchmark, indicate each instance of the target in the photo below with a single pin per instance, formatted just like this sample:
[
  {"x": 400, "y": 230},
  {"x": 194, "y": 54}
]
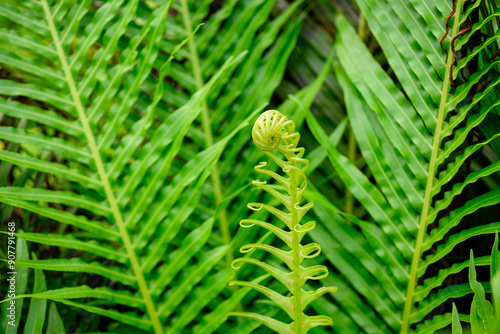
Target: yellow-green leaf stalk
[{"x": 271, "y": 131}]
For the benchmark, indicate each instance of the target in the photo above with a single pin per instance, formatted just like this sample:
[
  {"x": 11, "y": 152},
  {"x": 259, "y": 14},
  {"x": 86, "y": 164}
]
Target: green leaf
[
  {"x": 54, "y": 321},
  {"x": 50, "y": 168},
  {"x": 62, "y": 197},
  {"x": 456, "y": 327},
  {"x": 128, "y": 318},
  {"x": 21, "y": 281},
  {"x": 484, "y": 307},
  {"x": 37, "y": 309},
  {"x": 55, "y": 144},
  {"x": 69, "y": 241},
  {"x": 122, "y": 297},
  {"x": 495, "y": 285},
  {"x": 78, "y": 265}
]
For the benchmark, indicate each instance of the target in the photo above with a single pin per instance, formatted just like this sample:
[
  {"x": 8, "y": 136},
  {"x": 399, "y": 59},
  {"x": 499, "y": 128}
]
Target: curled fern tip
[{"x": 269, "y": 128}]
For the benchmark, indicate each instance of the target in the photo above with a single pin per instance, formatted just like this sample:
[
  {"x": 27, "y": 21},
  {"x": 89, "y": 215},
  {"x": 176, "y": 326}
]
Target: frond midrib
[
  {"x": 430, "y": 182},
  {"x": 148, "y": 301}
]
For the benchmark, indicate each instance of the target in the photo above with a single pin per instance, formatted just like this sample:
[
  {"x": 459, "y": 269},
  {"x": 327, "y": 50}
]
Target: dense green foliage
[{"x": 126, "y": 163}]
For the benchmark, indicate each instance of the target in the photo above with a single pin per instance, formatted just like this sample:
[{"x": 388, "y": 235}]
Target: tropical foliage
[{"x": 127, "y": 160}]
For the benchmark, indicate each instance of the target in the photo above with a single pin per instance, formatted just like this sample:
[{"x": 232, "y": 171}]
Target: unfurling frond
[{"x": 270, "y": 130}]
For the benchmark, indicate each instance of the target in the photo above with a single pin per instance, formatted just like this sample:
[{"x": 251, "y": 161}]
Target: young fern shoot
[{"x": 269, "y": 130}]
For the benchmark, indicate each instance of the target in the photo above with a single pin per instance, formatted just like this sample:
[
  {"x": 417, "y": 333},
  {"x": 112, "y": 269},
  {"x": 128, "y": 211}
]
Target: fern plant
[
  {"x": 269, "y": 130},
  {"x": 419, "y": 122}
]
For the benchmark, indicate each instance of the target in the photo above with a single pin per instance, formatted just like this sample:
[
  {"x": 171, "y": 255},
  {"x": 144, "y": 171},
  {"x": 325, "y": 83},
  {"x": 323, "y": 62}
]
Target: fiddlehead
[{"x": 271, "y": 131}]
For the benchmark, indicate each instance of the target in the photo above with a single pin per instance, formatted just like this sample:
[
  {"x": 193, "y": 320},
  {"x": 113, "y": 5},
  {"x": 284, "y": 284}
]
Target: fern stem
[
  {"x": 297, "y": 289},
  {"x": 430, "y": 181},
  {"x": 207, "y": 131},
  {"x": 148, "y": 301}
]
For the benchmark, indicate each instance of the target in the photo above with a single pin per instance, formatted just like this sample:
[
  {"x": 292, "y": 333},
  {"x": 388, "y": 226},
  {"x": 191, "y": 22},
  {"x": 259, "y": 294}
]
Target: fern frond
[
  {"x": 107, "y": 181},
  {"x": 269, "y": 131},
  {"x": 417, "y": 131}
]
